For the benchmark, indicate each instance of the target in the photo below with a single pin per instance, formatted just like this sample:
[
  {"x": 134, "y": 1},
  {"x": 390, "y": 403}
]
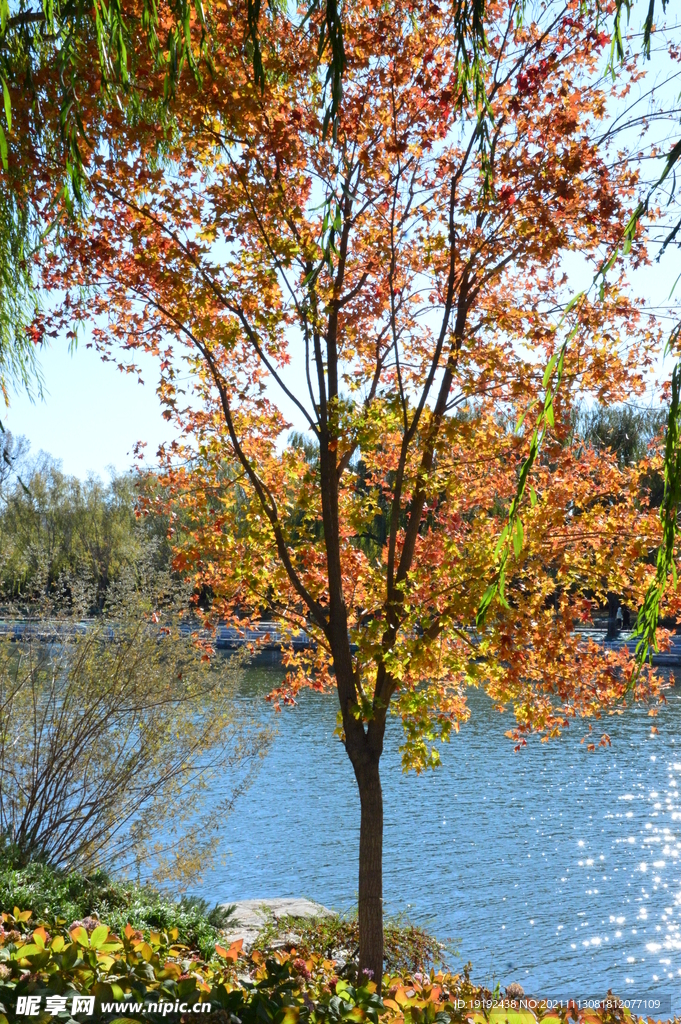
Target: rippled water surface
[{"x": 555, "y": 867}]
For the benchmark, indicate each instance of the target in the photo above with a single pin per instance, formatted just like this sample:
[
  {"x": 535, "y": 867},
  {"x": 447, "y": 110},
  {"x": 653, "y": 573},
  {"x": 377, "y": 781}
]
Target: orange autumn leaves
[{"x": 371, "y": 292}]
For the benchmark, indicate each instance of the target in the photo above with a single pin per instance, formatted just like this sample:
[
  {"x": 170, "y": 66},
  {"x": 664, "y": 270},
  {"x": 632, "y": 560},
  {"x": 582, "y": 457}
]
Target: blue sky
[{"x": 92, "y": 414}]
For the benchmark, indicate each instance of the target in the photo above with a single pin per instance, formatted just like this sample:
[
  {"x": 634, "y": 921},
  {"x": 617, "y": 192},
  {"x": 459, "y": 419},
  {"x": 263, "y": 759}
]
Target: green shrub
[{"x": 52, "y": 894}]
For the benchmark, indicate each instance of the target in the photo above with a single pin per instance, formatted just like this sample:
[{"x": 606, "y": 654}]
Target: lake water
[{"x": 554, "y": 867}]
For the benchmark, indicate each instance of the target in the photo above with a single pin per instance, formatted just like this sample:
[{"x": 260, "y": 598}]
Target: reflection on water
[{"x": 555, "y": 867}]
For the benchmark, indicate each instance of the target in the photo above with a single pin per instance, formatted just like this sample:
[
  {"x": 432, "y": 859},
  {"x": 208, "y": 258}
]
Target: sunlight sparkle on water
[{"x": 552, "y": 833}]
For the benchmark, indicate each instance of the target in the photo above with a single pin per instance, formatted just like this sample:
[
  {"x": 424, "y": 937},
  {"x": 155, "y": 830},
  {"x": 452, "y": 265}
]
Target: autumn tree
[{"x": 398, "y": 293}]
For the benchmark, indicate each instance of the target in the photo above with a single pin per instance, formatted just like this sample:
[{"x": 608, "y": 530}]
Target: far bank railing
[{"x": 264, "y": 635}]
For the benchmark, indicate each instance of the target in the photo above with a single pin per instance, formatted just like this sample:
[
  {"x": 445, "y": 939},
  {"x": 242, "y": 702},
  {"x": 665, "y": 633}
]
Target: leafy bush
[
  {"x": 44, "y": 958},
  {"x": 409, "y": 949},
  {"x": 57, "y": 895},
  {"x": 141, "y": 972}
]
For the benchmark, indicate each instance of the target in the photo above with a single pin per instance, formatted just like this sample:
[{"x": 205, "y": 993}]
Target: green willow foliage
[
  {"x": 646, "y": 627},
  {"x": 648, "y": 618},
  {"x": 18, "y": 363}
]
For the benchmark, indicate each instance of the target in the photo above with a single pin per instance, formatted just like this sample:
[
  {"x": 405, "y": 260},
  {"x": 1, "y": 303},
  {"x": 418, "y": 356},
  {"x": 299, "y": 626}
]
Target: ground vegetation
[
  {"x": 136, "y": 972},
  {"x": 72, "y": 896}
]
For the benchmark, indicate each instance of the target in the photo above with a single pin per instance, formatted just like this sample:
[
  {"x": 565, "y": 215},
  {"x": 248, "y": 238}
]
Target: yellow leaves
[
  {"x": 144, "y": 949},
  {"x": 20, "y": 916},
  {"x": 291, "y": 1015},
  {"x": 172, "y": 970},
  {"x": 79, "y": 936},
  {"x": 40, "y": 936},
  {"x": 24, "y": 950},
  {"x": 510, "y": 1015},
  {"x": 590, "y": 1017}
]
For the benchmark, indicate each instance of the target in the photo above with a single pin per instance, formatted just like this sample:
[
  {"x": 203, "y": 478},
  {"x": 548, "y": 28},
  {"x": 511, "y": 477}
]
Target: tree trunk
[
  {"x": 371, "y": 868},
  {"x": 613, "y": 605}
]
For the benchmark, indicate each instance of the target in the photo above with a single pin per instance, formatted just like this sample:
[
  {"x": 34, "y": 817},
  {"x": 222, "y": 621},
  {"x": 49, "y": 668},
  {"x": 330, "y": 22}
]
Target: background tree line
[{"x": 54, "y": 525}]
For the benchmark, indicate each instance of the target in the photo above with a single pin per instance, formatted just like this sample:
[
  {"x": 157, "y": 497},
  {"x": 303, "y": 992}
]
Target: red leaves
[
  {"x": 507, "y": 195},
  {"x": 36, "y": 333},
  {"x": 530, "y": 79}
]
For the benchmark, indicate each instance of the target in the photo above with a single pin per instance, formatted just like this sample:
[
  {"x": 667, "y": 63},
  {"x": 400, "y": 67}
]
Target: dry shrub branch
[{"x": 120, "y": 741}]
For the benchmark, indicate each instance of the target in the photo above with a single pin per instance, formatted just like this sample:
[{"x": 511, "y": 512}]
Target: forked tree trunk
[{"x": 370, "y": 868}]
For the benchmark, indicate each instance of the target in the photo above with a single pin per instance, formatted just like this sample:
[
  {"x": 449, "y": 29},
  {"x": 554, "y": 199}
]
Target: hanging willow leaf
[
  {"x": 513, "y": 530},
  {"x": 617, "y": 45},
  {"x": 253, "y": 15},
  {"x": 647, "y": 621},
  {"x": 648, "y": 617},
  {"x": 8, "y": 104}
]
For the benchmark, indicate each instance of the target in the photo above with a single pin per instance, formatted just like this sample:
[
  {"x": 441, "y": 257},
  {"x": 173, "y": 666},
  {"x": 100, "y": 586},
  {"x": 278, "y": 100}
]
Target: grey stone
[
  {"x": 250, "y": 916},
  {"x": 286, "y": 941}
]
